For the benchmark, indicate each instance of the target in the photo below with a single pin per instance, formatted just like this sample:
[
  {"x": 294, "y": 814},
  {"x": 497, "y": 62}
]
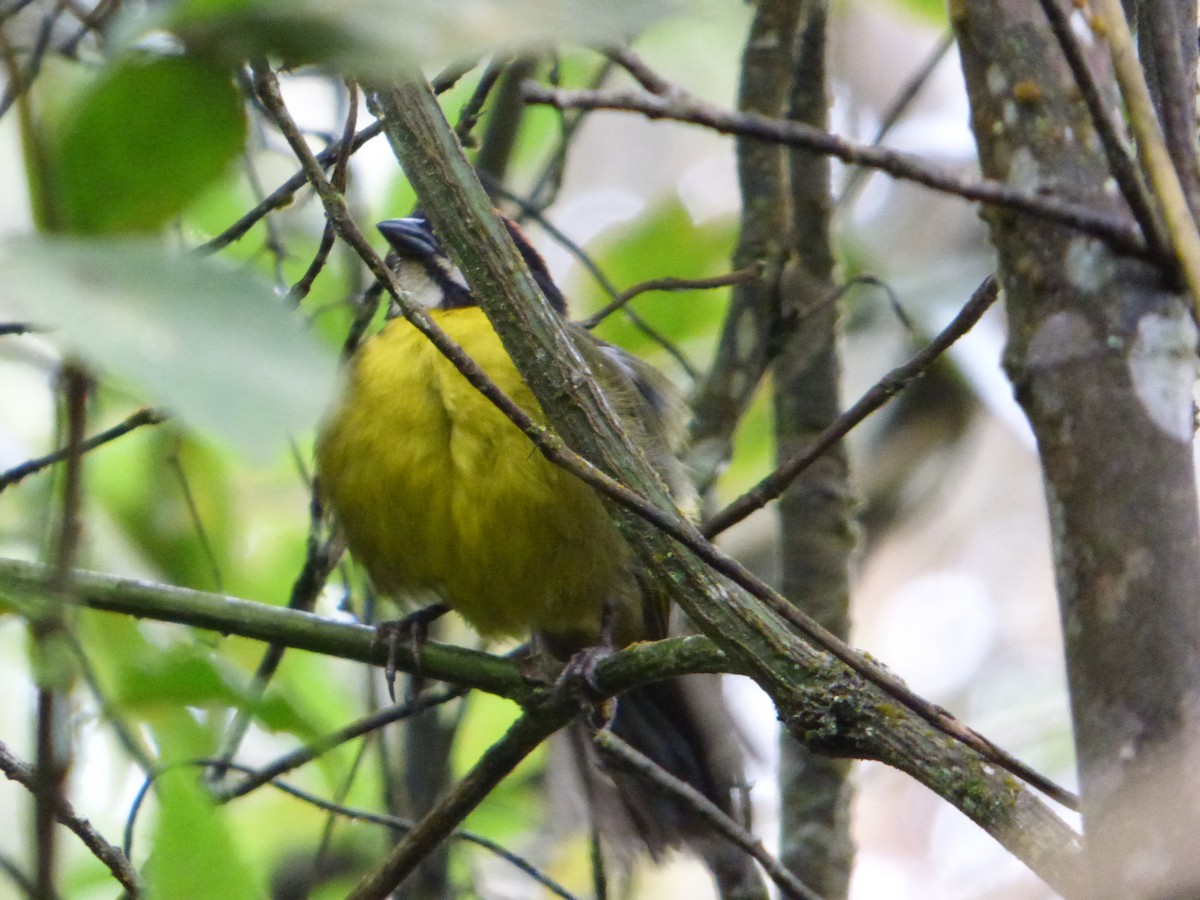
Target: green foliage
[
  {"x": 211, "y": 345},
  {"x": 195, "y": 853},
  {"x": 663, "y": 242},
  {"x": 381, "y": 39},
  {"x": 930, "y": 10},
  {"x": 147, "y": 137}
]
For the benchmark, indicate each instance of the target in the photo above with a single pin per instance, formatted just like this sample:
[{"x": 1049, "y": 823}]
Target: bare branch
[
  {"x": 1181, "y": 227},
  {"x": 500, "y": 759},
  {"x": 1120, "y": 160},
  {"x": 669, "y": 284},
  {"x": 630, "y": 758},
  {"x": 1118, "y": 231},
  {"x": 144, "y": 416},
  {"x": 111, "y": 856},
  {"x": 887, "y": 387}
]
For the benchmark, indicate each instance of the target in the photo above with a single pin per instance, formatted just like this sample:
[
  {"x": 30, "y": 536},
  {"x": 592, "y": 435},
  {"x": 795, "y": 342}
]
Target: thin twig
[
  {"x": 111, "y": 856},
  {"x": 669, "y": 284},
  {"x": 1120, "y": 161},
  {"x": 469, "y": 116},
  {"x": 193, "y": 509},
  {"x": 90, "y": 20},
  {"x": 591, "y": 267},
  {"x": 1119, "y": 231},
  {"x": 144, "y": 416},
  {"x": 23, "y": 882},
  {"x": 632, "y": 63},
  {"x": 283, "y": 194},
  {"x": 20, "y": 84},
  {"x": 341, "y": 168},
  {"x": 630, "y": 758},
  {"x": 891, "y": 115},
  {"x": 500, "y": 759},
  {"x": 49, "y": 630},
  {"x": 367, "y": 724},
  {"x": 337, "y": 809},
  {"x": 547, "y": 184},
  {"x": 319, "y": 559},
  {"x": 887, "y": 387},
  {"x": 400, "y": 824},
  {"x": 1156, "y": 161}
]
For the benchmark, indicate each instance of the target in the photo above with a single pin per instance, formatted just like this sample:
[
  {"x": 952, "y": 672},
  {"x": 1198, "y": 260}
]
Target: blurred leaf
[
  {"x": 140, "y": 483},
  {"x": 663, "y": 242},
  {"x": 180, "y": 675},
  {"x": 929, "y": 10},
  {"x": 145, "y": 140},
  {"x": 190, "y": 675},
  {"x": 379, "y": 39},
  {"x": 193, "y": 853},
  {"x": 214, "y": 347}
]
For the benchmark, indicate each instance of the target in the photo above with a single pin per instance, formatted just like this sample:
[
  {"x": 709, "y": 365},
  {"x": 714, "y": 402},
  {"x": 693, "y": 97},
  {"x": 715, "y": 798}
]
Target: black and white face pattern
[
  {"x": 427, "y": 274},
  {"x": 422, "y": 267}
]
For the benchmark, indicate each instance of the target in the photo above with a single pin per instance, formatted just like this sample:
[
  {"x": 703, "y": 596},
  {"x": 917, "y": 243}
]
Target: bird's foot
[{"x": 415, "y": 629}]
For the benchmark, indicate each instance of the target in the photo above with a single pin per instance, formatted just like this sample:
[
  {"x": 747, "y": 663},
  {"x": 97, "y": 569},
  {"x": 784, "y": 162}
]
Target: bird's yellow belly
[{"x": 441, "y": 496}]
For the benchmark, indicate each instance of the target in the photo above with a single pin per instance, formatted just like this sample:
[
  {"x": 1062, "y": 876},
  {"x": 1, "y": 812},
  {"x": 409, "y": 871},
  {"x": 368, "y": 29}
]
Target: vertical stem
[
  {"x": 1168, "y": 51},
  {"x": 52, "y": 654},
  {"x": 816, "y": 537},
  {"x": 753, "y": 327}
]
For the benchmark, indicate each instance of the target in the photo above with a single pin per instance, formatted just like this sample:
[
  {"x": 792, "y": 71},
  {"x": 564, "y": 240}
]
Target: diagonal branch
[
  {"x": 110, "y": 855},
  {"x": 1181, "y": 227},
  {"x": 1120, "y": 160},
  {"x": 1118, "y": 231},
  {"x": 761, "y": 636},
  {"x": 499, "y": 760},
  {"x": 887, "y": 387},
  {"x": 872, "y": 726},
  {"x": 628, "y": 756},
  {"x": 144, "y": 416}
]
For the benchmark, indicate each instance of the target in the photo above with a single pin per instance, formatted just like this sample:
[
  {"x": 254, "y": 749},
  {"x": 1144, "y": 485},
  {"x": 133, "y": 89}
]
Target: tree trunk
[{"x": 1101, "y": 353}]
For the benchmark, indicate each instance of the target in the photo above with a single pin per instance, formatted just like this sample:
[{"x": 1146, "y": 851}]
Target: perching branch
[
  {"x": 879, "y": 728},
  {"x": 757, "y": 641}
]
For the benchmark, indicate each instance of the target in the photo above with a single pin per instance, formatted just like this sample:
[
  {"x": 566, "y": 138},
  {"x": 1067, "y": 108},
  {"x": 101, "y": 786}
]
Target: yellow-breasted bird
[{"x": 442, "y": 499}]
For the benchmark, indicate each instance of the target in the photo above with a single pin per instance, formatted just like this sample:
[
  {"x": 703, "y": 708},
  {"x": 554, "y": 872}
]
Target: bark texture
[
  {"x": 816, "y": 537},
  {"x": 1101, "y": 354}
]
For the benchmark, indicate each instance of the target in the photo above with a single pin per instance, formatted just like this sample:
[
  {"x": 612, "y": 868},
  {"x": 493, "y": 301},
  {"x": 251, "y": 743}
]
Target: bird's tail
[{"x": 684, "y": 727}]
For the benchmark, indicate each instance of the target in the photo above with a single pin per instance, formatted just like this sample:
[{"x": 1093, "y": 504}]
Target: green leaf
[
  {"x": 148, "y": 137},
  {"x": 214, "y": 347},
  {"x": 193, "y": 852},
  {"x": 380, "y": 39}
]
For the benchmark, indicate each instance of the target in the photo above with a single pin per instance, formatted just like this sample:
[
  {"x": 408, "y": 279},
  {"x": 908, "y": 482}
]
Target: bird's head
[{"x": 428, "y": 275}]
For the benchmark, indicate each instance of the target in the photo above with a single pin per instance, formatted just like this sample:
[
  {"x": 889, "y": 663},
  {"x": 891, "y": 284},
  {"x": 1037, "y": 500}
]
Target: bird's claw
[{"x": 415, "y": 628}]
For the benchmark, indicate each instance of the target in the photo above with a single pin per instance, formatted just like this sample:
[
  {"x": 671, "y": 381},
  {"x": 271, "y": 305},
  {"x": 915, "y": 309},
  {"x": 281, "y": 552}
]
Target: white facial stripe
[{"x": 417, "y": 284}]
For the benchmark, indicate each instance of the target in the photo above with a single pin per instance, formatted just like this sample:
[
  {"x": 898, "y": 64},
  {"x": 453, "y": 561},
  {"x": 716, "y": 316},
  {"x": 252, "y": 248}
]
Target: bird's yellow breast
[{"x": 440, "y": 496}]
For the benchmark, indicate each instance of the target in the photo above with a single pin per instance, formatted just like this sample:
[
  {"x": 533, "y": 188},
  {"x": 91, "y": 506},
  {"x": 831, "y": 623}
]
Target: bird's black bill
[{"x": 410, "y": 237}]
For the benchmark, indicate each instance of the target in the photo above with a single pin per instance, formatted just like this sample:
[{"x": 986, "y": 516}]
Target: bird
[{"x": 443, "y": 500}]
